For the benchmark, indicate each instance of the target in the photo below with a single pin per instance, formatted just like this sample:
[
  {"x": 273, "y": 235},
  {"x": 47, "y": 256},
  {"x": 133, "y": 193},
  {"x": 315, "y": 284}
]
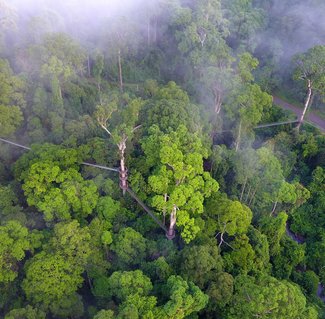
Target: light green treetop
[
  {"x": 14, "y": 244},
  {"x": 178, "y": 183},
  {"x": 267, "y": 297},
  {"x": 27, "y": 312}
]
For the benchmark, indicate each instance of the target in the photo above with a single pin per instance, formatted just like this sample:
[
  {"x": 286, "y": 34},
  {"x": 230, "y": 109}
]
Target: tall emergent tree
[
  {"x": 122, "y": 119},
  {"x": 310, "y": 68},
  {"x": 178, "y": 184},
  {"x": 200, "y": 34}
]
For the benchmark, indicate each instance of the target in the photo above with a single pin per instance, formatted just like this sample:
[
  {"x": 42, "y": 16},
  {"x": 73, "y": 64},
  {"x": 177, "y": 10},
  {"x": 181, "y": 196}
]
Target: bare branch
[
  {"x": 104, "y": 128},
  {"x": 134, "y": 129}
]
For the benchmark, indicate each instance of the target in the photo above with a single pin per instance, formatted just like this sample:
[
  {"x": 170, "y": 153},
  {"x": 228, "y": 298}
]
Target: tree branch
[
  {"x": 104, "y": 128},
  {"x": 134, "y": 129}
]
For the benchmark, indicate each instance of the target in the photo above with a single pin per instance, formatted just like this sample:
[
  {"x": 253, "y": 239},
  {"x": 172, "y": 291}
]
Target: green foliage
[
  {"x": 308, "y": 220},
  {"x": 291, "y": 255},
  {"x": 57, "y": 155},
  {"x": 311, "y": 282},
  {"x": 62, "y": 60},
  {"x": 245, "y": 66},
  {"x": 111, "y": 211},
  {"x": 260, "y": 245},
  {"x": 137, "y": 306},
  {"x": 54, "y": 275},
  {"x": 11, "y": 118},
  {"x": 220, "y": 290},
  {"x": 269, "y": 176},
  {"x": 232, "y": 217},
  {"x": 274, "y": 228},
  {"x": 69, "y": 306},
  {"x": 267, "y": 297},
  {"x": 251, "y": 104},
  {"x": 27, "y": 312},
  {"x": 260, "y": 176},
  {"x": 169, "y": 108},
  {"x": 12, "y": 91},
  {"x": 14, "y": 244},
  {"x": 66, "y": 231},
  {"x": 310, "y": 66},
  {"x": 241, "y": 259},
  {"x": 315, "y": 255},
  {"x": 50, "y": 278},
  {"x": 57, "y": 193},
  {"x": 178, "y": 179},
  {"x": 245, "y": 20},
  {"x": 104, "y": 314},
  {"x": 129, "y": 246},
  {"x": 199, "y": 38},
  {"x": 158, "y": 270},
  {"x": 200, "y": 264},
  {"x": 118, "y": 116},
  {"x": 8, "y": 201},
  {"x": 54, "y": 186},
  {"x": 185, "y": 299},
  {"x": 72, "y": 242},
  {"x": 101, "y": 237},
  {"x": 247, "y": 105},
  {"x": 122, "y": 284},
  {"x": 287, "y": 193}
]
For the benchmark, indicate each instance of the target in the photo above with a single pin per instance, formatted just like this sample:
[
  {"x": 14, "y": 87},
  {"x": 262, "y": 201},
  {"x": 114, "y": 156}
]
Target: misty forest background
[{"x": 174, "y": 90}]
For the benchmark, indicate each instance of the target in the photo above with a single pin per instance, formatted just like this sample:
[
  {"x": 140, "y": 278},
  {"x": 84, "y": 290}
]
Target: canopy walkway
[{"x": 123, "y": 185}]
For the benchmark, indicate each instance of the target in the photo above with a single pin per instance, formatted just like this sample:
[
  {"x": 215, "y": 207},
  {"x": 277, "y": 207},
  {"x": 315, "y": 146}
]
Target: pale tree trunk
[
  {"x": 88, "y": 65},
  {"x": 247, "y": 195},
  {"x": 123, "y": 171},
  {"x": 202, "y": 36},
  {"x": 99, "y": 88},
  {"x": 253, "y": 197},
  {"x": 60, "y": 91},
  {"x": 89, "y": 281},
  {"x": 155, "y": 30},
  {"x": 274, "y": 208},
  {"x": 164, "y": 210},
  {"x": 243, "y": 189},
  {"x": 238, "y": 137},
  {"x": 148, "y": 32},
  {"x": 172, "y": 223},
  {"x": 217, "y": 99},
  {"x": 120, "y": 69},
  {"x": 221, "y": 240},
  {"x": 221, "y": 237},
  {"x": 307, "y": 103}
]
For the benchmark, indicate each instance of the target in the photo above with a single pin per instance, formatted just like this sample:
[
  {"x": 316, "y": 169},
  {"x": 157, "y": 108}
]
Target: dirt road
[{"x": 310, "y": 117}]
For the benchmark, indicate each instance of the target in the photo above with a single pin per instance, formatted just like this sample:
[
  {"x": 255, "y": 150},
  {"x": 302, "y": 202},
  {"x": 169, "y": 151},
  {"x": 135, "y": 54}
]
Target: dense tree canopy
[{"x": 149, "y": 161}]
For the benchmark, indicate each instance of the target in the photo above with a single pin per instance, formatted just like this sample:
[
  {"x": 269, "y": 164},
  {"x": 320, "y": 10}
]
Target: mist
[{"x": 296, "y": 27}]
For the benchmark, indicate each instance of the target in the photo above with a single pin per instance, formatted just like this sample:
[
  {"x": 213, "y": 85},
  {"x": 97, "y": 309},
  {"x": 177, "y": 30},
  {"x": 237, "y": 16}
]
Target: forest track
[{"x": 312, "y": 118}]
